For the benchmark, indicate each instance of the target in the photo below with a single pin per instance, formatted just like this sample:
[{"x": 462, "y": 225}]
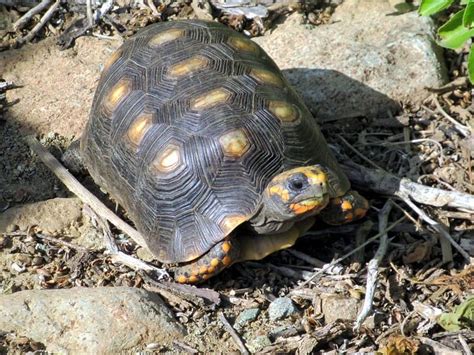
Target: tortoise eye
[{"x": 297, "y": 182}]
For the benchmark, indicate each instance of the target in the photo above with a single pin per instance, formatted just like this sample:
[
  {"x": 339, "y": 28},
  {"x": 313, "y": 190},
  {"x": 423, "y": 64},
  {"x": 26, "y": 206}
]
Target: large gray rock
[
  {"x": 361, "y": 64},
  {"x": 54, "y": 215},
  {"x": 92, "y": 320}
]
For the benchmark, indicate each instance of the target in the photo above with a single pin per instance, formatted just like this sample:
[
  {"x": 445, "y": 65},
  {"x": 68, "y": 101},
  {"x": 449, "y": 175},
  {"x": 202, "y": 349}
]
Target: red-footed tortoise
[{"x": 195, "y": 131}]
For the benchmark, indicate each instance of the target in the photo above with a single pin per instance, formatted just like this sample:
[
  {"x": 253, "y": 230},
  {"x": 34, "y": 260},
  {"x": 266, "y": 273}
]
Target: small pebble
[
  {"x": 246, "y": 316},
  {"x": 258, "y": 343},
  {"x": 280, "y": 308},
  {"x": 4, "y": 242},
  {"x": 23, "y": 259},
  {"x": 37, "y": 260},
  {"x": 18, "y": 268}
]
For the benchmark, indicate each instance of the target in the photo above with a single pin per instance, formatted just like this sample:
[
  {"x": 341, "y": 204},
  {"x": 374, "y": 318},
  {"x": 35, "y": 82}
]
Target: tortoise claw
[
  {"x": 345, "y": 209},
  {"x": 221, "y": 256}
]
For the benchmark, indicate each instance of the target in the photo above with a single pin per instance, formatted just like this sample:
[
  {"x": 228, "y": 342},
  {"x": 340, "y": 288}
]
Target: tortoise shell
[{"x": 189, "y": 123}]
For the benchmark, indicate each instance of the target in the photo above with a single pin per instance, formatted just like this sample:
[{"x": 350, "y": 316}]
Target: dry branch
[
  {"x": 18, "y": 25},
  {"x": 238, "y": 341},
  {"x": 384, "y": 183},
  {"x": 80, "y": 191},
  {"x": 373, "y": 266},
  {"x": 46, "y": 17}
]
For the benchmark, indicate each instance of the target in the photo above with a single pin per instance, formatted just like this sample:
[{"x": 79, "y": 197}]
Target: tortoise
[{"x": 195, "y": 132}]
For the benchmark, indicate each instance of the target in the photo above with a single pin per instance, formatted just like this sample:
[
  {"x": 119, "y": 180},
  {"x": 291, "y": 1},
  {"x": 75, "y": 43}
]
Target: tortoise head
[{"x": 293, "y": 195}]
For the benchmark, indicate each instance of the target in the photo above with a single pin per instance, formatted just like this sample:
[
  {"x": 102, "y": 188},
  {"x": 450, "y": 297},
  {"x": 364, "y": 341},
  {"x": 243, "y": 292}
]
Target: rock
[
  {"x": 258, "y": 343},
  {"x": 246, "y": 316},
  {"x": 281, "y": 307},
  {"x": 92, "y": 320},
  {"x": 336, "y": 307},
  {"x": 54, "y": 215},
  {"x": 362, "y": 63}
]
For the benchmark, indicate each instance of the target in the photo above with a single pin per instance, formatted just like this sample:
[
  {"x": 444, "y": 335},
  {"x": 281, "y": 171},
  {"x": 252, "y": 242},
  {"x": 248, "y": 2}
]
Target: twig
[
  {"x": 119, "y": 256},
  {"x": 199, "y": 296},
  {"x": 438, "y": 348},
  {"x": 153, "y": 8},
  {"x": 80, "y": 191},
  {"x": 46, "y": 17},
  {"x": 50, "y": 238},
  {"x": 309, "y": 259},
  {"x": 382, "y": 182},
  {"x": 90, "y": 19},
  {"x": 358, "y": 153},
  {"x": 240, "y": 344},
  {"x": 22, "y": 21},
  {"x": 185, "y": 347},
  {"x": 373, "y": 266},
  {"x": 437, "y": 226},
  {"x": 361, "y": 235},
  {"x": 334, "y": 262},
  {"x": 465, "y": 131},
  {"x": 465, "y": 345}
]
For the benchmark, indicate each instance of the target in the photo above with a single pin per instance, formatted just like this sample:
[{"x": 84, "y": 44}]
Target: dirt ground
[{"x": 53, "y": 101}]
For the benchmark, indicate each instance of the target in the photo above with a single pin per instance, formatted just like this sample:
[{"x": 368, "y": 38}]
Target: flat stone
[
  {"x": 258, "y": 343},
  {"x": 361, "y": 64},
  {"x": 90, "y": 320},
  {"x": 336, "y": 307},
  {"x": 280, "y": 308},
  {"x": 246, "y": 316},
  {"x": 54, "y": 215}
]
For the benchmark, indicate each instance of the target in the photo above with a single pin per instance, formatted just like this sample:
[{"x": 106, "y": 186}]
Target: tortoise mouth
[{"x": 307, "y": 205}]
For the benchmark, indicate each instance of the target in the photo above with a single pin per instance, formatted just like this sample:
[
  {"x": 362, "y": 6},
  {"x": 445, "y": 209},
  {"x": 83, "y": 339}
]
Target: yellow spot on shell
[
  {"x": 211, "y": 269},
  {"x": 112, "y": 59},
  {"x": 203, "y": 269},
  {"x": 164, "y": 37},
  {"x": 229, "y": 223},
  {"x": 284, "y": 111},
  {"x": 116, "y": 95},
  {"x": 139, "y": 127},
  {"x": 243, "y": 44},
  {"x": 193, "y": 279},
  {"x": 234, "y": 143},
  {"x": 265, "y": 76},
  {"x": 188, "y": 66},
  {"x": 210, "y": 99},
  {"x": 168, "y": 160}
]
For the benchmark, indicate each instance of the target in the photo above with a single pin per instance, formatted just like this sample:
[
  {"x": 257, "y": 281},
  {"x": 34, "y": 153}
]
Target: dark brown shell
[{"x": 189, "y": 123}]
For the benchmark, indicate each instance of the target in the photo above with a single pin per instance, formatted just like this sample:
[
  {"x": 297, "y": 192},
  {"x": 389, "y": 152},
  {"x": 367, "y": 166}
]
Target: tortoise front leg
[
  {"x": 347, "y": 208},
  {"x": 221, "y": 255},
  {"x": 236, "y": 248}
]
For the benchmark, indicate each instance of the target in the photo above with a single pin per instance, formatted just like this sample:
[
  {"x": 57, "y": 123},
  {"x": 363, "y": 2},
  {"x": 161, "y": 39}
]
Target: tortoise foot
[
  {"x": 345, "y": 209},
  {"x": 222, "y": 255}
]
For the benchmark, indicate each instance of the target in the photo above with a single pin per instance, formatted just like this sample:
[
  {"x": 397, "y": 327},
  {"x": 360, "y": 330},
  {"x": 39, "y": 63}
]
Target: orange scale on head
[{"x": 346, "y": 206}]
